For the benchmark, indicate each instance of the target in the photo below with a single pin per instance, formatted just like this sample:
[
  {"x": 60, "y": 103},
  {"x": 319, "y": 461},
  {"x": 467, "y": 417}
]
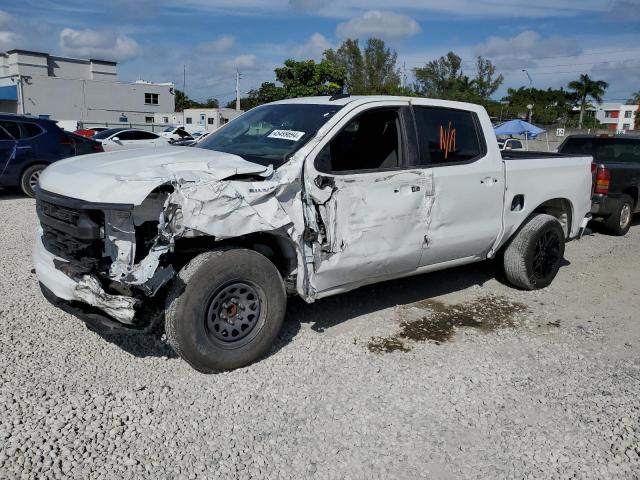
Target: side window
[
  {"x": 127, "y": 135},
  {"x": 516, "y": 144},
  {"x": 371, "y": 141},
  {"x": 12, "y": 128},
  {"x": 447, "y": 135},
  {"x": 30, "y": 130}
]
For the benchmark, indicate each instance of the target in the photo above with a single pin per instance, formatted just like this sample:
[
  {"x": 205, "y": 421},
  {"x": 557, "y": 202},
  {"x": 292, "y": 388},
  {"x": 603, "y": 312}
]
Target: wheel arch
[
  {"x": 560, "y": 208},
  {"x": 274, "y": 245},
  {"x": 632, "y": 191}
]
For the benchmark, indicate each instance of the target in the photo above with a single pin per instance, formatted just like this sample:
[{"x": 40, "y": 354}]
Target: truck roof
[{"x": 360, "y": 99}]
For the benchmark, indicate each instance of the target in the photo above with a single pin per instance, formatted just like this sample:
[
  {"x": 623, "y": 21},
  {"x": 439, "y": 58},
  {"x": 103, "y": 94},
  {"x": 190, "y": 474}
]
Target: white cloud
[
  {"x": 527, "y": 44},
  {"x": 220, "y": 44},
  {"x": 97, "y": 44},
  {"x": 9, "y": 38},
  {"x": 381, "y": 24},
  {"x": 314, "y": 47},
  {"x": 241, "y": 62}
]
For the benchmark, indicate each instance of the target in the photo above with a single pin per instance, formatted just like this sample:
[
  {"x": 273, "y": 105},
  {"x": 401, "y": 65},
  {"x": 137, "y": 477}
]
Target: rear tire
[
  {"x": 225, "y": 309},
  {"x": 619, "y": 222},
  {"x": 29, "y": 179},
  {"x": 532, "y": 257}
]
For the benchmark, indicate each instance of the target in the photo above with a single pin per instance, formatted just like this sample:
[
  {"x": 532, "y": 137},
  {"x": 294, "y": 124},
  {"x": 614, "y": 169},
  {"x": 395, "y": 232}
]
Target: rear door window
[
  {"x": 29, "y": 130},
  {"x": 4, "y": 135},
  {"x": 448, "y": 136},
  {"x": 12, "y": 127}
]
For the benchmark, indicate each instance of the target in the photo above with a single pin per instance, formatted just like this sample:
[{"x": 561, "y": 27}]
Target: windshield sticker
[
  {"x": 447, "y": 140},
  {"x": 291, "y": 135}
]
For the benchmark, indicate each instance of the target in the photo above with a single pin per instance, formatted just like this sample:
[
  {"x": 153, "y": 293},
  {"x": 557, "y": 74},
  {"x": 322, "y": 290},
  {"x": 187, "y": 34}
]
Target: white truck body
[{"x": 334, "y": 231}]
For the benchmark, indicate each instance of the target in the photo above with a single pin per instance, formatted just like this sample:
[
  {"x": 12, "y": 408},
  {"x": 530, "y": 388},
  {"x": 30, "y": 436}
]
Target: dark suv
[
  {"x": 616, "y": 176},
  {"x": 29, "y": 144}
]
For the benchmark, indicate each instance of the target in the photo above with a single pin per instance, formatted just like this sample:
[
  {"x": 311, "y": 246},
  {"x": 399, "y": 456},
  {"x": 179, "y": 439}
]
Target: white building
[
  {"x": 617, "y": 117},
  {"x": 199, "y": 119},
  {"x": 74, "y": 89}
]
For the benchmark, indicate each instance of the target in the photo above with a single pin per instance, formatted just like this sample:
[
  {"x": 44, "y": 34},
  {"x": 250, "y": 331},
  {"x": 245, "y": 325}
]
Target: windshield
[
  {"x": 270, "y": 134},
  {"x": 169, "y": 129}
]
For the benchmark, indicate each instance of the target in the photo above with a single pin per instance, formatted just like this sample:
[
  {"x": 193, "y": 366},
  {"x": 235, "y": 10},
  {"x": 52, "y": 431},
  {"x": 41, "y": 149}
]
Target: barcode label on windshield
[{"x": 291, "y": 135}]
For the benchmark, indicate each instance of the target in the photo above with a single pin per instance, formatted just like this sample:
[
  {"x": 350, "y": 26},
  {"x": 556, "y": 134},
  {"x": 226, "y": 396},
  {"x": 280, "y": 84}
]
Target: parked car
[
  {"x": 616, "y": 177},
  {"x": 511, "y": 144},
  {"x": 84, "y": 145},
  {"x": 29, "y": 144},
  {"x": 176, "y": 133},
  {"x": 128, "y": 138},
  {"x": 310, "y": 196},
  {"x": 89, "y": 132}
]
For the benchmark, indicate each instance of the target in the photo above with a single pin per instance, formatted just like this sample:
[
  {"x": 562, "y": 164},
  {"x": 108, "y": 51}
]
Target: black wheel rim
[
  {"x": 233, "y": 312},
  {"x": 547, "y": 254}
]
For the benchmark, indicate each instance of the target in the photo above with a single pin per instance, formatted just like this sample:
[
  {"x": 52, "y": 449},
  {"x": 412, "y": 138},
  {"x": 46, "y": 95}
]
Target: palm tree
[
  {"x": 586, "y": 87},
  {"x": 635, "y": 98}
]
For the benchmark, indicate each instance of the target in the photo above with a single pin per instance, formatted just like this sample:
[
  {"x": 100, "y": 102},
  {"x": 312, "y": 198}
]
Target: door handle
[
  {"x": 489, "y": 181},
  {"x": 405, "y": 188}
]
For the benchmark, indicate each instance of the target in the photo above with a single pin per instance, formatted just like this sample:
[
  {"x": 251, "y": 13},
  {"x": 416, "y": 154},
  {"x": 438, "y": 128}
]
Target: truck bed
[{"x": 561, "y": 178}]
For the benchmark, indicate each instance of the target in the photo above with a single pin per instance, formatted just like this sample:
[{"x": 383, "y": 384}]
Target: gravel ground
[{"x": 550, "y": 389}]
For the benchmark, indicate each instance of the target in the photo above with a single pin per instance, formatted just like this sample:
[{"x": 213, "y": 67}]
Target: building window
[
  {"x": 189, "y": 120},
  {"x": 151, "y": 98},
  {"x": 165, "y": 119},
  {"x": 210, "y": 121},
  {"x": 628, "y": 114},
  {"x": 626, "y": 126},
  {"x": 224, "y": 121},
  {"x": 148, "y": 119}
]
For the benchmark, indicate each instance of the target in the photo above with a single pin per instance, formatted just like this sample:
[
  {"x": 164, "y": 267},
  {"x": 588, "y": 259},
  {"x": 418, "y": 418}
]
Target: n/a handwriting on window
[{"x": 447, "y": 140}]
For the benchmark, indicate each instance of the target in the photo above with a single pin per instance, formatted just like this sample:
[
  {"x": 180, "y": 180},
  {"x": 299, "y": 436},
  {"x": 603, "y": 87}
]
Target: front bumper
[{"x": 81, "y": 298}]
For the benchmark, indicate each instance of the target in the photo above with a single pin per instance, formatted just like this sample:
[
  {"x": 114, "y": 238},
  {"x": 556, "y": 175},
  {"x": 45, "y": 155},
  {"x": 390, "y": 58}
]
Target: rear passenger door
[
  {"x": 367, "y": 210},
  {"x": 466, "y": 216}
]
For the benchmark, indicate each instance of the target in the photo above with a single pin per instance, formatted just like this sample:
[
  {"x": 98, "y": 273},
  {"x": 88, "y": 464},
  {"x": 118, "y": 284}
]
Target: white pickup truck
[{"x": 309, "y": 196}]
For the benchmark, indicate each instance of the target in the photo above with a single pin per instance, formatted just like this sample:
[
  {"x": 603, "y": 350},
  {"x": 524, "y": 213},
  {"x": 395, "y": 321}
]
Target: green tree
[
  {"x": 486, "y": 82},
  {"x": 586, "y": 88},
  {"x": 635, "y": 99},
  {"x": 182, "y": 101},
  {"x": 349, "y": 57},
  {"x": 368, "y": 71},
  {"x": 439, "y": 78},
  {"x": 444, "y": 78},
  {"x": 551, "y": 106},
  {"x": 308, "y": 78},
  {"x": 210, "y": 103}
]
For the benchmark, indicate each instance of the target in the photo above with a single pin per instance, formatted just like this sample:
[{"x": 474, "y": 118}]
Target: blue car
[{"x": 29, "y": 144}]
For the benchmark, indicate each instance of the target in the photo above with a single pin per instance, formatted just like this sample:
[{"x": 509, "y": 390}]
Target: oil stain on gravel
[{"x": 439, "y": 325}]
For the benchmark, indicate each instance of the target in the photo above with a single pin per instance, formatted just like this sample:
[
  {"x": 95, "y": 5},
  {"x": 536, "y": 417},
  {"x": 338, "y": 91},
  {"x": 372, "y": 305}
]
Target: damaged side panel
[{"x": 372, "y": 225}]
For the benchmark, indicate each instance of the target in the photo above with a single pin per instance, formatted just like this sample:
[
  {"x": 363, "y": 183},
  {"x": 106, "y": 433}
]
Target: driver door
[{"x": 366, "y": 210}]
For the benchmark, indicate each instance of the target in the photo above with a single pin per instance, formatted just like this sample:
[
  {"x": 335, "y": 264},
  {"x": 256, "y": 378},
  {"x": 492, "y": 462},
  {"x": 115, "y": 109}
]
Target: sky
[{"x": 554, "y": 40}]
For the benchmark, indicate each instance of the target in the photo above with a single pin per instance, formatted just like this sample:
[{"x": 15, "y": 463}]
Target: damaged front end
[{"x": 112, "y": 256}]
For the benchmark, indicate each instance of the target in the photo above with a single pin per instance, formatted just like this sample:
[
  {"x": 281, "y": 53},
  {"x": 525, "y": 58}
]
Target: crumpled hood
[{"x": 128, "y": 176}]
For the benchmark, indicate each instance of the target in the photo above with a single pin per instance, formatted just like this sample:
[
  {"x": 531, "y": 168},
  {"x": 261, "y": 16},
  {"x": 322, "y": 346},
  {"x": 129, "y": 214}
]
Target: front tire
[
  {"x": 29, "y": 179},
  {"x": 225, "y": 309},
  {"x": 619, "y": 222},
  {"x": 533, "y": 256}
]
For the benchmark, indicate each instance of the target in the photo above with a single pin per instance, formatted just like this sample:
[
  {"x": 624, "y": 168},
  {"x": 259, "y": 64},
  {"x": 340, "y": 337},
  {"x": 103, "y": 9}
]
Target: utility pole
[{"x": 237, "y": 90}]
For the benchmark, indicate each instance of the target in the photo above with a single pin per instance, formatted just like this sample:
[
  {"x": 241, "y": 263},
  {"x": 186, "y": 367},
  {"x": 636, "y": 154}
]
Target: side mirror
[
  {"x": 115, "y": 139},
  {"x": 508, "y": 147}
]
